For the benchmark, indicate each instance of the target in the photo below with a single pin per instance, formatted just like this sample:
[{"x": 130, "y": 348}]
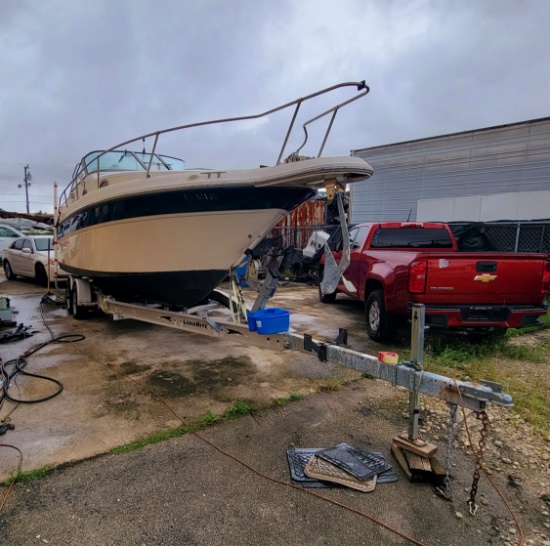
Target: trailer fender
[{"x": 84, "y": 291}]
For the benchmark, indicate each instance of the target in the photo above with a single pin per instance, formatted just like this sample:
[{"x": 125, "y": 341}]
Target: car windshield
[{"x": 44, "y": 244}]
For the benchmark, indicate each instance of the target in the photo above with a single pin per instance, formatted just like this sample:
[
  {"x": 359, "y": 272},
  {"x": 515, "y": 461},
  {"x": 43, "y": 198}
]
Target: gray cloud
[{"x": 78, "y": 76}]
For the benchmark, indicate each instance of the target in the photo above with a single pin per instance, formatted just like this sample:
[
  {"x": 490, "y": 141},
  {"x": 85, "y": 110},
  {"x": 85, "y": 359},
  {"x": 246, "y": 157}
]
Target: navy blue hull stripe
[{"x": 187, "y": 202}]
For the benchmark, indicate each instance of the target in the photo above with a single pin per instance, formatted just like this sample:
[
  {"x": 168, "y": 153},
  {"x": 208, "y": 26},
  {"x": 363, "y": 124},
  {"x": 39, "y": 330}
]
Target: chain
[
  {"x": 447, "y": 492},
  {"x": 484, "y": 418}
]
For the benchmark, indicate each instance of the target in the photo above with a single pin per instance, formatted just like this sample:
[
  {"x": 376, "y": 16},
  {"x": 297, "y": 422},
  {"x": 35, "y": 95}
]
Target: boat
[{"x": 141, "y": 226}]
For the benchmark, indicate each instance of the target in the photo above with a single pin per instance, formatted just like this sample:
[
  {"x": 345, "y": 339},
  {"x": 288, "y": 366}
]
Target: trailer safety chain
[
  {"x": 447, "y": 492},
  {"x": 484, "y": 418}
]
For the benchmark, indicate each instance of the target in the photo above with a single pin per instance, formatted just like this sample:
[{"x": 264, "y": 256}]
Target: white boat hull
[{"x": 172, "y": 237}]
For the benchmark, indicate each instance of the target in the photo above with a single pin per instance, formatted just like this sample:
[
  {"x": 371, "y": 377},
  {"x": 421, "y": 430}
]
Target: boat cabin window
[{"x": 122, "y": 160}]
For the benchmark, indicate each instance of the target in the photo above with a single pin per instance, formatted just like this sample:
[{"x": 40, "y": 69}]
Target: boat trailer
[{"x": 414, "y": 455}]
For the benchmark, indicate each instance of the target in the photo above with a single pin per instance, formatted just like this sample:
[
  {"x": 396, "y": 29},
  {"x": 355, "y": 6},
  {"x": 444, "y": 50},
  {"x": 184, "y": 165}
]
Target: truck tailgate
[{"x": 487, "y": 278}]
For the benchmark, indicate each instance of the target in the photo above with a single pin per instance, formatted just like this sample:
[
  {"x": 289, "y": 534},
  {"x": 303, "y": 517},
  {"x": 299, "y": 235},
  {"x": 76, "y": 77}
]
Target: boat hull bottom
[{"x": 173, "y": 288}]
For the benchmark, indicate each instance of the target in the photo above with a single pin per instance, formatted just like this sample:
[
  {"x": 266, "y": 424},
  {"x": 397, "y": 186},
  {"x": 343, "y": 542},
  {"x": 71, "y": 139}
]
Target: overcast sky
[{"x": 81, "y": 75}]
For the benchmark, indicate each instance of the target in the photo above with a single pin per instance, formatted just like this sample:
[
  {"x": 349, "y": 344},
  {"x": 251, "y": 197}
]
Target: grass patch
[
  {"x": 239, "y": 409},
  {"x": 152, "y": 439},
  {"x": 28, "y": 476},
  {"x": 333, "y": 384},
  {"x": 292, "y": 397},
  {"x": 521, "y": 367}
]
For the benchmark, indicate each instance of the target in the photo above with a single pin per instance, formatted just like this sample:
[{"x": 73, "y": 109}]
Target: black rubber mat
[
  {"x": 298, "y": 458},
  {"x": 374, "y": 461}
]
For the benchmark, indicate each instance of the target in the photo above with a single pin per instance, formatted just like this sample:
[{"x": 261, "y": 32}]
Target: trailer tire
[
  {"x": 78, "y": 311},
  {"x": 380, "y": 323},
  {"x": 69, "y": 298}
]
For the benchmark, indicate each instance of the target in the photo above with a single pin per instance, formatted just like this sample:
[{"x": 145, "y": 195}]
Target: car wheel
[
  {"x": 380, "y": 323},
  {"x": 78, "y": 311},
  {"x": 325, "y": 298},
  {"x": 41, "y": 276},
  {"x": 8, "y": 270}
]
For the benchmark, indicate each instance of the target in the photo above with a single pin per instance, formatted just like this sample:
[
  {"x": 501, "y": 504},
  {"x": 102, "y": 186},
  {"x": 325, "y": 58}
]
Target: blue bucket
[{"x": 269, "y": 321}]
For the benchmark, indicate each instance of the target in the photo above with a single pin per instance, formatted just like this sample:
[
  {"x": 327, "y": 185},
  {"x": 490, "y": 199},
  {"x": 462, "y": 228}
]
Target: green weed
[
  {"x": 28, "y": 476},
  {"x": 292, "y": 397},
  {"x": 239, "y": 409},
  {"x": 520, "y": 367}
]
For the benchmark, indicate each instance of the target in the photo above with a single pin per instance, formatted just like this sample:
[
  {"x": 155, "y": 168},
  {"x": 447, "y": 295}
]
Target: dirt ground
[{"x": 230, "y": 485}]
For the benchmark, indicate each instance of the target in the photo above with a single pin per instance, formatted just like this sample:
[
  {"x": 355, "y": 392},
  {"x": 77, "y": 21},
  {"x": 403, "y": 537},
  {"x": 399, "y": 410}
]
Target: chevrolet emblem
[{"x": 486, "y": 277}]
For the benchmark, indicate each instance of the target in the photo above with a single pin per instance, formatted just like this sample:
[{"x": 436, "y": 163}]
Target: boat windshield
[{"x": 122, "y": 160}]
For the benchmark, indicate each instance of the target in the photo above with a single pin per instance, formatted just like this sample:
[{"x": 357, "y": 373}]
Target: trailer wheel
[
  {"x": 380, "y": 324},
  {"x": 78, "y": 311},
  {"x": 68, "y": 298}
]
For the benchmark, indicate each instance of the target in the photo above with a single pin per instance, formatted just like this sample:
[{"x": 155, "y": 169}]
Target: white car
[
  {"x": 7, "y": 236},
  {"x": 31, "y": 256}
]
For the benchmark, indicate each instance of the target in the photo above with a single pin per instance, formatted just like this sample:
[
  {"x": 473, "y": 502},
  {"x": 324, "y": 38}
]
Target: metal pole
[
  {"x": 28, "y": 177},
  {"x": 417, "y": 360}
]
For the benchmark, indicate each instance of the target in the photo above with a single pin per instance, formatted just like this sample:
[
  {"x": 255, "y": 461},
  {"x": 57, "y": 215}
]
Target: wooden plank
[
  {"x": 419, "y": 463},
  {"x": 418, "y": 447}
]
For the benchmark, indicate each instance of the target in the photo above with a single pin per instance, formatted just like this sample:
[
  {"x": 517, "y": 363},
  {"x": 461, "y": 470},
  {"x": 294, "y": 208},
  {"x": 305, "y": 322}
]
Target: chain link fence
[
  {"x": 513, "y": 236},
  {"x": 503, "y": 236}
]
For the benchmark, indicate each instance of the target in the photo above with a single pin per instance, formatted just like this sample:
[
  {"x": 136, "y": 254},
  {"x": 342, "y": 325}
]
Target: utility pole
[{"x": 27, "y": 182}]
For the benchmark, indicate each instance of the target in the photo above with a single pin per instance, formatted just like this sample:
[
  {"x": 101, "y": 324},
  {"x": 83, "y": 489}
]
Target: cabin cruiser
[{"x": 142, "y": 226}]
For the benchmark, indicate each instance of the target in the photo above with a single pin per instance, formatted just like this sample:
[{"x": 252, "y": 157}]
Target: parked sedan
[
  {"x": 7, "y": 236},
  {"x": 31, "y": 256}
]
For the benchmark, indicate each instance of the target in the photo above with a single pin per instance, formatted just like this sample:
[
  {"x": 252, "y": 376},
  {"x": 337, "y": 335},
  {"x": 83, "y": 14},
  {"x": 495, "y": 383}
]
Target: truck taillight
[
  {"x": 417, "y": 277},
  {"x": 545, "y": 286}
]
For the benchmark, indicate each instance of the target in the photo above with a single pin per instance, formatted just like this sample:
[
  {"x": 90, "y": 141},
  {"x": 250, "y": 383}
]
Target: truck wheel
[
  {"x": 78, "y": 311},
  {"x": 8, "y": 271},
  {"x": 380, "y": 326}
]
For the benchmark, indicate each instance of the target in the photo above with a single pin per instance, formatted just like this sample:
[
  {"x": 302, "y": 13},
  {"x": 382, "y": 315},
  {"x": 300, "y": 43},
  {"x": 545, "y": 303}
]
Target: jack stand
[
  {"x": 415, "y": 456},
  {"x": 267, "y": 288}
]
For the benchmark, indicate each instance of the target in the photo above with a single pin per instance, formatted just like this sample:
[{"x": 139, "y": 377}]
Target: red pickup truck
[{"x": 392, "y": 264}]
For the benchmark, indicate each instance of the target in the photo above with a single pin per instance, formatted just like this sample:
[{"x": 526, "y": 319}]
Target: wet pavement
[
  {"x": 229, "y": 485},
  {"x": 111, "y": 377}
]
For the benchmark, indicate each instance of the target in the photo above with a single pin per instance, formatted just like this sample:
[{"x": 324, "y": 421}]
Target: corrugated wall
[
  {"x": 510, "y": 158},
  {"x": 297, "y": 226}
]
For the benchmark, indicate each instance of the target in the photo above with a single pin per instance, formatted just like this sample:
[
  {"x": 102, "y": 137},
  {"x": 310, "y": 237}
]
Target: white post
[{"x": 55, "y": 233}]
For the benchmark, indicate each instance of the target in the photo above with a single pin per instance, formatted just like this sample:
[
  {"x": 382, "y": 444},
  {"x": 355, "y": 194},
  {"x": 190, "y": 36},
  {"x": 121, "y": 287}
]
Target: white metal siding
[{"x": 505, "y": 159}]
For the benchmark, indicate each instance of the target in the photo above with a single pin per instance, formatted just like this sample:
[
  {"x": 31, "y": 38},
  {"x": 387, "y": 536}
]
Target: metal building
[{"x": 496, "y": 173}]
